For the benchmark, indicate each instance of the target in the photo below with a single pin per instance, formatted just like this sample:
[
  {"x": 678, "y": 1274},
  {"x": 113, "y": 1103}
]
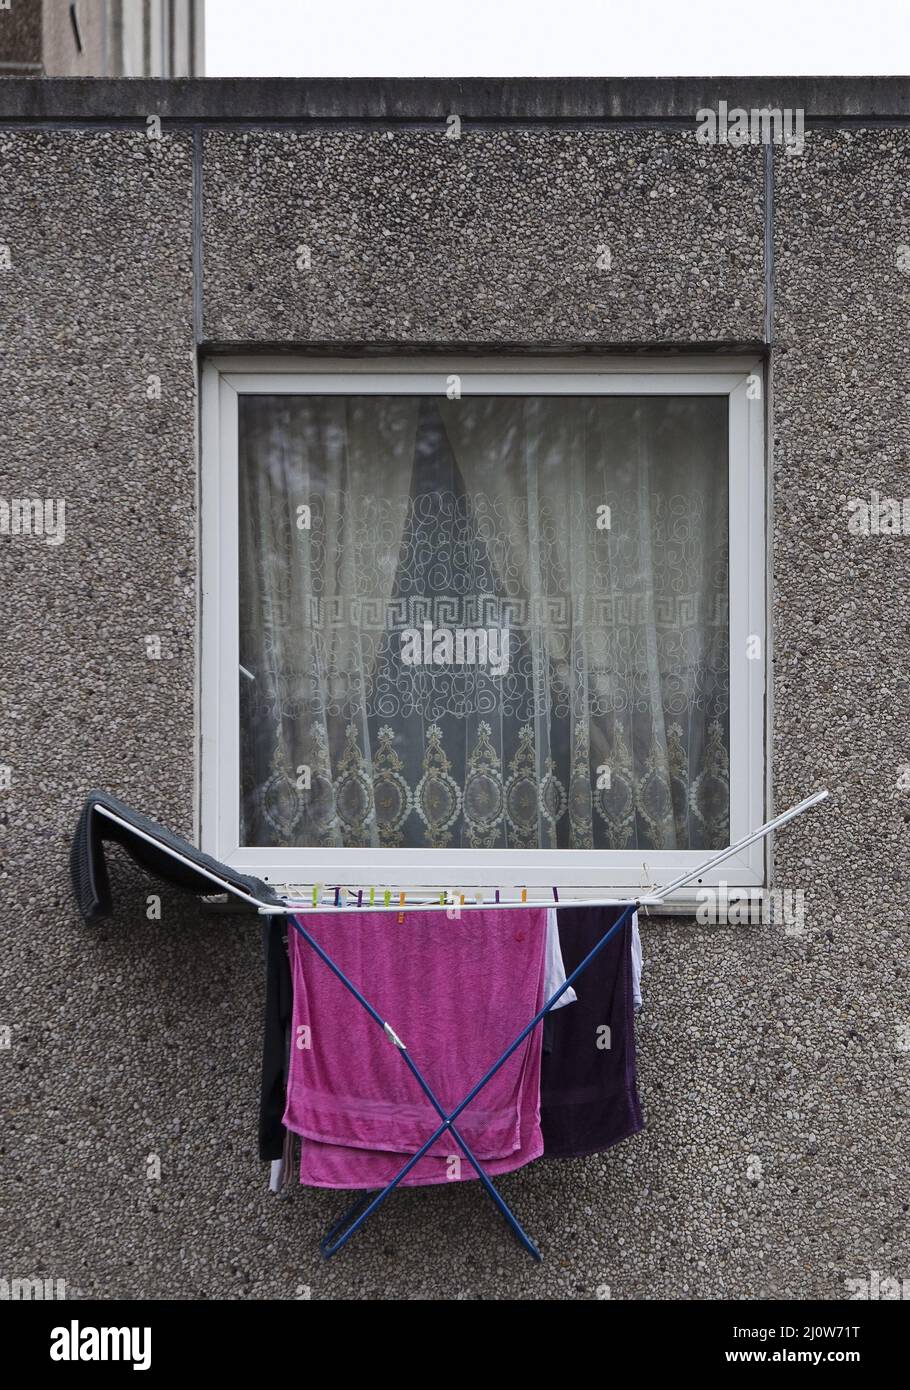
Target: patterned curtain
[{"x": 487, "y": 622}]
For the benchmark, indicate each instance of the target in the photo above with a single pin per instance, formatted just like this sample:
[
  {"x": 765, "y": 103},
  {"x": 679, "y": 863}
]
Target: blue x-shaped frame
[{"x": 340, "y": 1233}]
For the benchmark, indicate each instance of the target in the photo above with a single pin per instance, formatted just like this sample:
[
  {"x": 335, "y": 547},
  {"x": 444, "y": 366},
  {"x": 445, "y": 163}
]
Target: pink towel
[{"x": 456, "y": 992}]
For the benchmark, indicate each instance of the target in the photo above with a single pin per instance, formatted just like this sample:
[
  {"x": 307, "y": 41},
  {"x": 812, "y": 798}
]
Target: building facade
[{"x": 233, "y": 316}]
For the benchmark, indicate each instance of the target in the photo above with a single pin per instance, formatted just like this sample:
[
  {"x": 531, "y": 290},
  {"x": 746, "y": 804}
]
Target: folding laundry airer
[
  {"x": 167, "y": 855},
  {"x": 340, "y": 1233}
]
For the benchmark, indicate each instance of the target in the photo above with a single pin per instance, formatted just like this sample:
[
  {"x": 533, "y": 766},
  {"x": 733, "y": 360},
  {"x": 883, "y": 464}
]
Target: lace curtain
[{"x": 487, "y": 622}]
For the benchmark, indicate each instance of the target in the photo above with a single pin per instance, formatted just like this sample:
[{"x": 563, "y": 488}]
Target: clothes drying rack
[
  {"x": 297, "y": 911},
  {"x": 448, "y": 901}
]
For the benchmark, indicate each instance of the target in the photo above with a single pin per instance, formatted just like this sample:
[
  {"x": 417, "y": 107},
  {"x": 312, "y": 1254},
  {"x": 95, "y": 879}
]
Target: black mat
[{"x": 88, "y": 869}]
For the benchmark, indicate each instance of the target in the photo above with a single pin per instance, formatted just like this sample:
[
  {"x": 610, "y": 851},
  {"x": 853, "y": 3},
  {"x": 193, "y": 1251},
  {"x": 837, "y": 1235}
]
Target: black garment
[
  {"x": 91, "y": 888},
  {"x": 88, "y": 869},
  {"x": 276, "y": 1042},
  {"x": 588, "y": 1093}
]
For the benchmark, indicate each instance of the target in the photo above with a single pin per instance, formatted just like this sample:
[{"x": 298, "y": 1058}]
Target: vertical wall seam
[
  {"x": 197, "y": 234},
  {"x": 769, "y": 505},
  {"x": 769, "y": 241},
  {"x": 198, "y": 309}
]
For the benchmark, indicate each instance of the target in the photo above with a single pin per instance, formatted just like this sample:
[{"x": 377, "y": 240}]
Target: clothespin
[
  {"x": 338, "y": 897},
  {"x": 315, "y": 894},
  {"x": 497, "y": 895},
  {"x": 400, "y": 904},
  {"x": 388, "y": 896},
  {"x": 359, "y": 897},
  {"x": 524, "y": 895},
  {"x": 555, "y": 896},
  {"x": 372, "y": 896}
]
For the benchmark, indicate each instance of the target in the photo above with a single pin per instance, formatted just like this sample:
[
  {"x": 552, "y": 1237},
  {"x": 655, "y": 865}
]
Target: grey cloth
[{"x": 88, "y": 868}]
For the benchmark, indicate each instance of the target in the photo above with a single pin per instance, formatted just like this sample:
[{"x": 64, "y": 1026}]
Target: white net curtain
[{"x": 586, "y": 539}]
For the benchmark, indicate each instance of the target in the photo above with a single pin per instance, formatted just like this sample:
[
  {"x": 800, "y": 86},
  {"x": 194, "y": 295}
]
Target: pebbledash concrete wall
[{"x": 774, "y": 1069}]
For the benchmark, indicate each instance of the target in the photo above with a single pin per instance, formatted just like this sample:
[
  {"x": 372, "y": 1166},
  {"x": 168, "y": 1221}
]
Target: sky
[{"x": 555, "y": 38}]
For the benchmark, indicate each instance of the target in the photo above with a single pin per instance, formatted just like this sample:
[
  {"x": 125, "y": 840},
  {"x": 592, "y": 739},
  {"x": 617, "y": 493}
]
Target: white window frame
[{"x": 587, "y": 871}]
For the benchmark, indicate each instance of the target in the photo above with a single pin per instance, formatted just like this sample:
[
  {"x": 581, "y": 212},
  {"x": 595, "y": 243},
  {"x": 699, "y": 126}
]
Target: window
[{"x": 482, "y": 623}]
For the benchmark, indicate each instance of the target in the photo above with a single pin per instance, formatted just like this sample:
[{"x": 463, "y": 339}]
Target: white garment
[
  {"x": 636, "y": 963},
  {"x": 555, "y": 971}
]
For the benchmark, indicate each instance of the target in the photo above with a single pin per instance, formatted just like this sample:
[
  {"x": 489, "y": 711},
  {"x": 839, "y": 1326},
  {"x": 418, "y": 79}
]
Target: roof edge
[{"x": 509, "y": 99}]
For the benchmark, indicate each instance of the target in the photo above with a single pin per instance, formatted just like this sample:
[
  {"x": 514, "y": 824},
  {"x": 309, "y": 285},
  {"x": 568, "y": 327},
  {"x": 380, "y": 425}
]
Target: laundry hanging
[
  {"x": 588, "y": 1090},
  {"x": 342, "y": 1231},
  {"x": 175, "y": 860},
  {"x": 461, "y": 990},
  {"x": 277, "y": 1024},
  {"x": 276, "y": 1040},
  {"x": 155, "y": 849}
]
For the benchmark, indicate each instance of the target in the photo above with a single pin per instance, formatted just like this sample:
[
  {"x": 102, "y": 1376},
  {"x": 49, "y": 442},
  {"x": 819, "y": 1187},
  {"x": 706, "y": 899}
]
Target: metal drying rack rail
[{"x": 444, "y": 903}]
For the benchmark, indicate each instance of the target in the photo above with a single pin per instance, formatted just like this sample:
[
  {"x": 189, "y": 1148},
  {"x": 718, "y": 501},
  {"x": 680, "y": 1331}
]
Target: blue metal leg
[
  {"x": 360, "y": 1205},
  {"x": 358, "y": 1213},
  {"x": 361, "y": 1210},
  {"x": 499, "y": 1201}
]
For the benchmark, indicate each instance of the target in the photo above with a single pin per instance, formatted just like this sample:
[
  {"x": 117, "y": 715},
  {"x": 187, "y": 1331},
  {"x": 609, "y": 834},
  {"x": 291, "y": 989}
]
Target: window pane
[{"x": 495, "y": 622}]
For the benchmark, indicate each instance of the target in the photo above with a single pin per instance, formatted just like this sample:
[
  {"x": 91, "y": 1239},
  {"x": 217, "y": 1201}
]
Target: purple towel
[
  {"x": 589, "y": 1099},
  {"x": 457, "y": 993}
]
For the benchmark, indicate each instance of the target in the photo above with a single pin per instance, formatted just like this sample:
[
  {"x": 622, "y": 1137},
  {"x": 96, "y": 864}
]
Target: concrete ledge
[{"x": 274, "y": 100}]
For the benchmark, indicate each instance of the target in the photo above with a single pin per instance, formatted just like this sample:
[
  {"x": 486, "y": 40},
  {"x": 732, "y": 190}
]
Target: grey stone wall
[
  {"x": 775, "y": 1156},
  {"x": 842, "y": 697},
  {"x": 97, "y": 300},
  {"x": 492, "y": 238}
]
